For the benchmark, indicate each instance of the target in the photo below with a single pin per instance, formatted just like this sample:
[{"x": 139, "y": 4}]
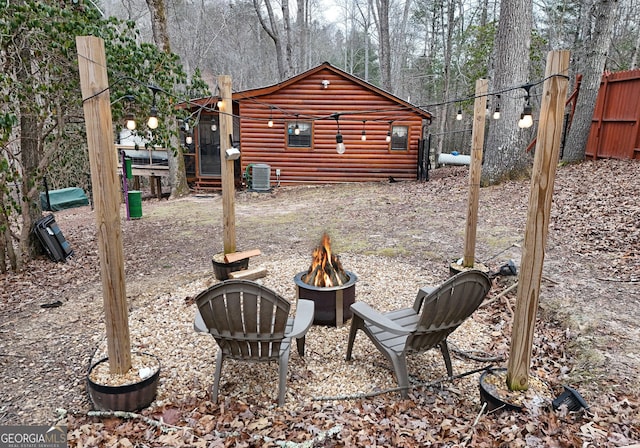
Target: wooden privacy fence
[{"x": 615, "y": 129}]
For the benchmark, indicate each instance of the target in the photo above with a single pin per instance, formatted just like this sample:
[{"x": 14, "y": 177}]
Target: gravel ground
[{"x": 164, "y": 327}]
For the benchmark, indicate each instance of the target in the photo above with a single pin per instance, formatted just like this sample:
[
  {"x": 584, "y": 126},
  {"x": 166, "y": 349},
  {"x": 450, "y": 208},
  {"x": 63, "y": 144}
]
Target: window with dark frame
[
  {"x": 301, "y": 138},
  {"x": 399, "y": 138}
]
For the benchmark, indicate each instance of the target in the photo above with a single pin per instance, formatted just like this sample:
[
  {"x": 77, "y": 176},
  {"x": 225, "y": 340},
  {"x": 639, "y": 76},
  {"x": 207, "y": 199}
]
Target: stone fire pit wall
[{"x": 332, "y": 304}]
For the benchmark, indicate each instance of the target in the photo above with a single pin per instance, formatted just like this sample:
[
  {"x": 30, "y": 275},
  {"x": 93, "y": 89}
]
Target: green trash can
[
  {"x": 127, "y": 168},
  {"x": 135, "y": 204}
]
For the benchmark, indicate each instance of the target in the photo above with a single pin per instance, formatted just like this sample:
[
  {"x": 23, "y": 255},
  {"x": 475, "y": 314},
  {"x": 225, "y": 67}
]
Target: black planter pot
[
  {"x": 455, "y": 268},
  {"x": 489, "y": 395},
  {"x": 128, "y": 397}
]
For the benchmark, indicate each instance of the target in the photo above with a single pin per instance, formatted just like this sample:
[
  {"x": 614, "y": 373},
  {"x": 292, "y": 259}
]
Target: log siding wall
[{"x": 371, "y": 160}]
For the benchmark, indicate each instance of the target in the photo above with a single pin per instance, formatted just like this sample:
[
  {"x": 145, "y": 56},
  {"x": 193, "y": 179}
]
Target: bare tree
[
  {"x": 177, "y": 172},
  {"x": 381, "y": 19},
  {"x": 590, "y": 61},
  {"x": 272, "y": 28},
  {"x": 505, "y": 156}
]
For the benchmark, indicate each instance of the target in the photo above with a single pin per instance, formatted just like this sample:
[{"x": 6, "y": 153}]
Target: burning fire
[{"x": 326, "y": 269}]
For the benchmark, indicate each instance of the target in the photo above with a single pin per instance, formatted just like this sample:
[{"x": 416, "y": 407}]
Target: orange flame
[{"x": 326, "y": 269}]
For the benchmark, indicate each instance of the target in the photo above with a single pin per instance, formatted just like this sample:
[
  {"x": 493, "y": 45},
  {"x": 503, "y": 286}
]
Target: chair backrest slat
[
  {"x": 447, "y": 307},
  {"x": 247, "y": 320}
]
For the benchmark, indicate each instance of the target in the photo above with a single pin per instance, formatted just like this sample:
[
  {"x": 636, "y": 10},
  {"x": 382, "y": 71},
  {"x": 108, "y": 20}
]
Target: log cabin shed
[{"x": 288, "y": 133}]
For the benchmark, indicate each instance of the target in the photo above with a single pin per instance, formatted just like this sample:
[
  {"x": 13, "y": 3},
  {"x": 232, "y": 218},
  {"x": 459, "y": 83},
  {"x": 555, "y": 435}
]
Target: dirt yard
[{"x": 396, "y": 237}]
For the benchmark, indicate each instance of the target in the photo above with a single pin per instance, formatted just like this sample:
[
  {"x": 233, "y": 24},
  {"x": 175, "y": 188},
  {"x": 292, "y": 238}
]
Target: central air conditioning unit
[{"x": 260, "y": 177}]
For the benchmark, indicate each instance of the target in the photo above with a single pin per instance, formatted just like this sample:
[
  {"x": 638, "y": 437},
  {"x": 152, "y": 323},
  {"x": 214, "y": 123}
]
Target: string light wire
[{"x": 189, "y": 103}]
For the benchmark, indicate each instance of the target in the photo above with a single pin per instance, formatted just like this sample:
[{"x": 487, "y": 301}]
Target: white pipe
[{"x": 454, "y": 159}]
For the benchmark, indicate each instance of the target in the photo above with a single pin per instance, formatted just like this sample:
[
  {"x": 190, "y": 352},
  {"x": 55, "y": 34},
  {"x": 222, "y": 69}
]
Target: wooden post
[
  {"x": 226, "y": 166},
  {"x": 94, "y": 85},
  {"x": 475, "y": 170},
  {"x": 535, "y": 236}
]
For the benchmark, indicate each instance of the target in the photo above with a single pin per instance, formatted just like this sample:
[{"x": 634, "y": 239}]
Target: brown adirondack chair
[
  {"x": 436, "y": 313},
  {"x": 251, "y": 323}
]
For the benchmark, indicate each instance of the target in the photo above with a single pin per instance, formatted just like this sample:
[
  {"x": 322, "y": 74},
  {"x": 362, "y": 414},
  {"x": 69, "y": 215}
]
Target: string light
[
  {"x": 388, "y": 138},
  {"x": 152, "y": 123},
  {"x": 526, "y": 118},
  {"x": 340, "y": 148},
  {"x": 130, "y": 122},
  {"x": 496, "y": 111}
]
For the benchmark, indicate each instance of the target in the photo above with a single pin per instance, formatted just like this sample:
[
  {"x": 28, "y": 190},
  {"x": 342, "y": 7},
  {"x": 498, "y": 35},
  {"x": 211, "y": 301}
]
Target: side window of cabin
[
  {"x": 399, "y": 138},
  {"x": 299, "y": 134}
]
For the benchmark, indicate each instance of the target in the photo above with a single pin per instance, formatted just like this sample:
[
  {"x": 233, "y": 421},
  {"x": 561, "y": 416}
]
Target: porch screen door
[{"x": 209, "y": 148}]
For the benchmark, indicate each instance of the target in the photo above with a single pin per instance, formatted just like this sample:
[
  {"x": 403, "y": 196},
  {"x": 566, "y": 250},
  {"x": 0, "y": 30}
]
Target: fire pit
[{"x": 332, "y": 289}]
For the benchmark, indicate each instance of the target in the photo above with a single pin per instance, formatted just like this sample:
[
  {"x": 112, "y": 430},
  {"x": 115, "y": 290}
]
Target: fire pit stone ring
[{"x": 332, "y": 303}]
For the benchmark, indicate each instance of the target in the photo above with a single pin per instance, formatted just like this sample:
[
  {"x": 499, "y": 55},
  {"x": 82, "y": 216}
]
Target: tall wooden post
[
  {"x": 94, "y": 85},
  {"x": 535, "y": 237},
  {"x": 226, "y": 166},
  {"x": 475, "y": 170}
]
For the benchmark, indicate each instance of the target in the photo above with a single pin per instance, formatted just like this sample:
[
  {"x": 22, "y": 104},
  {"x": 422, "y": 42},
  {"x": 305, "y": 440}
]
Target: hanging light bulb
[
  {"x": 340, "y": 148},
  {"x": 152, "y": 123},
  {"x": 459, "y": 115},
  {"x": 153, "y": 118},
  {"x": 270, "y": 123},
  {"x": 388, "y": 138},
  {"x": 188, "y": 139},
  {"x": 219, "y": 104},
  {"x": 526, "y": 118},
  {"x": 296, "y": 129},
  {"x": 363, "y": 137},
  {"x": 496, "y": 111},
  {"x": 214, "y": 126},
  {"x": 130, "y": 122}
]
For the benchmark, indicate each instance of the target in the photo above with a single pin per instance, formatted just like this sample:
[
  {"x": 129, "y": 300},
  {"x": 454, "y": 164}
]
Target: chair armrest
[
  {"x": 422, "y": 293},
  {"x": 303, "y": 318},
  {"x": 198, "y": 323},
  {"x": 371, "y": 316}
]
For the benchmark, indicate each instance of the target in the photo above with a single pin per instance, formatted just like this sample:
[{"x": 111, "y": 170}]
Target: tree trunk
[
  {"x": 177, "y": 173},
  {"x": 271, "y": 29},
  {"x": 384, "y": 43},
  {"x": 302, "y": 25},
  {"x": 447, "y": 38},
  {"x": 636, "y": 50},
  {"x": 591, "y": 65},
  {"x": 30, "y": 158},
  {"x": 159, "y": 29},
  {"x": 505, "y": 156},
  {"x": 4, "y": 230},
  {"x": 288, "y": 46}
]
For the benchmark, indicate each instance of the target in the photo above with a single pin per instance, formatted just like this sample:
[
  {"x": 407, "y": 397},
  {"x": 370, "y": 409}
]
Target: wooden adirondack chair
[
  {"x": 435, "y": 314},
  {"x": 251, "y": 323}
]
